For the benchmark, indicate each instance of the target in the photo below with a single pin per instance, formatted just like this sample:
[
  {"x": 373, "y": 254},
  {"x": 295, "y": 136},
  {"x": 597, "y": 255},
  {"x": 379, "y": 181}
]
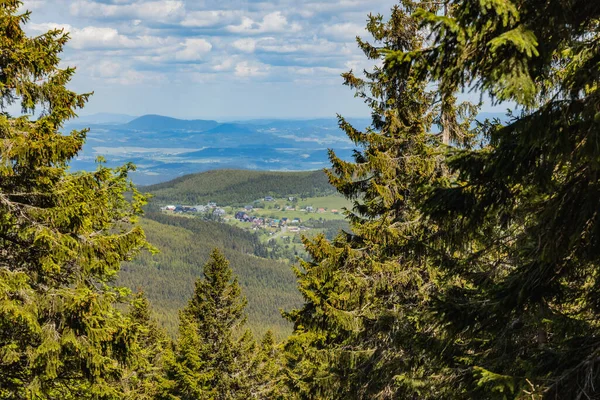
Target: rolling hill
[
  {"x": 237, "y": 187},
  {"x": 165, "y": 148}
]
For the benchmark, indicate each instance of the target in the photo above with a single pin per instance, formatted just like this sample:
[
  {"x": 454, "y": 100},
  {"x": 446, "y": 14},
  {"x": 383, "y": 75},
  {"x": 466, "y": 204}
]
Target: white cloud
[
  {"x": 158, "y": 11},
  {"x": 94, "y": 37},
  {"x": 246, "y": 45},
  {"x": 246, "y": 69},
  {"x": 46, "y": 26},
  {"x": 346, "y": 31},
  {"x": 225, "y": 65},
  {"x": 246, "y": 25},
  {"x": 319, "y": 6},
  {"x": 315, "y": 46},
  {"x": 212, "y": 40},
  {"x": 312, "y": 71},
  {"x": 273, "y": 22},
  {"x": 113, "y": 72},
  {"x": 203, "y": 19},
  {"x": 193, "y": 50}
]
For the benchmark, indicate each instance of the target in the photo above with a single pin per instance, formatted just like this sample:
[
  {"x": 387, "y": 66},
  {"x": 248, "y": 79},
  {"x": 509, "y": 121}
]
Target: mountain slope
[
  {"x": 161, "y": 123},
  {"x": 168, "y": 278},
  {"x": 238, "y": 129},
  {"x": 236, "y": 187}
]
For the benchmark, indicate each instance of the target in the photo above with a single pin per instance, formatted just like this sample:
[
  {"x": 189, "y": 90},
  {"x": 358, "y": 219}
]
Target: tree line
[{"x": 469, "y": 270}]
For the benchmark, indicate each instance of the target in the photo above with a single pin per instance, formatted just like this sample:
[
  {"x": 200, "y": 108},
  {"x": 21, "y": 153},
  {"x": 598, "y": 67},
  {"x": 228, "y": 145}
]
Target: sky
[{"x": 218, "y": 59}]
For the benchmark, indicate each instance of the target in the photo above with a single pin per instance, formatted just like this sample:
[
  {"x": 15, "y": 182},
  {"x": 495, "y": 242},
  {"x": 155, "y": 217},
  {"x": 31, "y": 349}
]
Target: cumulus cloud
[
  {"x": 94, "y": 37},
  {"x": 193, "y": 50},
  {"x": 209, "y": 18},
  {"x": 246, "y": 45},
  {"x": 247, "y": 69},
  {"x": 157, "y": 11},
  {"x": 273, "y": 22},
  {"x": 213, "y": 40},
  {"x": 282, "y": 46},
  {"x": 224, "y": 65},
  {"x": 346, "y": 31},
  {"x": 114, "y": 72}
]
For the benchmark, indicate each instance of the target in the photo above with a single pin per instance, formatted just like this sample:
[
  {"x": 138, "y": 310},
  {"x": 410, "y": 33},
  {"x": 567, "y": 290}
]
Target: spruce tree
[
  {"x": 63, "y": 235},
  {"x": 519, "y": 225},
  {"x": 142, "y": 379},
  {"x": 212, "y": 355},
  {"x": 267, "y": 371},
  {"x": 366, "y": 330}
]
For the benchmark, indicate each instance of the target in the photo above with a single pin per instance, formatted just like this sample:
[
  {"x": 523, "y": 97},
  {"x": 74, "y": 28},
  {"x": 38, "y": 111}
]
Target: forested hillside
[
  {"x": 237, "y": 187},
  {"x": 168, "y": 277}
]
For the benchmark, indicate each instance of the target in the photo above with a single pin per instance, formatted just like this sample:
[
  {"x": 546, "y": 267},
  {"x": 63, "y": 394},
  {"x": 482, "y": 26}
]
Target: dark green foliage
[
  {"x": 365, "y": 330},
  {"x": 184, "y": 245},
  {"x": 522, "y": 300},
  {"x": 213, "y": 358},
  {"x": 62, "y": 236},
  {"x": 331, "y": 227},
  {"x": 239, "y": 187},
  {"x": 267, "y": 371},
  {"x": 468, "y": 267},
  {"x": 144, "y": 380},
  {"x": 471, "y": 270}
]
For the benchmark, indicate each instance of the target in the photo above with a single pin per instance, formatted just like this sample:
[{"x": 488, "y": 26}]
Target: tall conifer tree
[
  {"x": 213, "y": 356},
  {"x": 62, "y": 235},
  {"x": 143, "y": 377},
  {"x": 523, "y": 299},
  {"x": 365, "y": 330}
]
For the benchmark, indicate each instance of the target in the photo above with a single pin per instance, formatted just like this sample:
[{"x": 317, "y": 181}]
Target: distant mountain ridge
[
  {"x": 162, "y": 123},
  {"x": 164, "y": 148},
  {"x": 231, "y": 128}
]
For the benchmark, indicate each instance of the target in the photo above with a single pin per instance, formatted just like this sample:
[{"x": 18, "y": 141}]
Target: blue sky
[{"x": 213, "y": 59}]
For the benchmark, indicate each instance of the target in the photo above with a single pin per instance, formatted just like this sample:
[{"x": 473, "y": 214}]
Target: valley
[{"x": 182, "y": 224}]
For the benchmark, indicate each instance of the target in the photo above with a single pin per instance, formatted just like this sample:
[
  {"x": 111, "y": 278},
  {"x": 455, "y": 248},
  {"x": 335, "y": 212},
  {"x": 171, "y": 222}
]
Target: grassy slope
[
  {"x": 168, "y": 277},
  {"x": 238, "y": 187},
  {"x": 330, "y": 202}
]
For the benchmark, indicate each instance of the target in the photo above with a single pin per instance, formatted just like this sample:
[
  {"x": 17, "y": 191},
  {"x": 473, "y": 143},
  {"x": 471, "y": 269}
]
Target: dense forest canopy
[
  {"x": 239, "y": 187},
  {"x": 184, "y": 245},
  {"x": 469, "y": 269}
]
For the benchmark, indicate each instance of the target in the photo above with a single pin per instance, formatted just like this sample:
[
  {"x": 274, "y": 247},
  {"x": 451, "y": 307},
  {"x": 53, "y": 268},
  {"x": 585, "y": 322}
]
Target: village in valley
[{"x": 273, "y": 219}]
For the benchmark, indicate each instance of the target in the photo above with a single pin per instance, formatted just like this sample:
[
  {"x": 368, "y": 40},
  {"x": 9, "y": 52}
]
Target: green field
[
  {"x": 330, "y": 202},
  {"x": 276, "y": 210}
]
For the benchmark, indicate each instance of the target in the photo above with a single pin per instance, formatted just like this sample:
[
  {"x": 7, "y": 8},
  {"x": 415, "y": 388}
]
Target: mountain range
[{"x": 164, "y": 148}]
